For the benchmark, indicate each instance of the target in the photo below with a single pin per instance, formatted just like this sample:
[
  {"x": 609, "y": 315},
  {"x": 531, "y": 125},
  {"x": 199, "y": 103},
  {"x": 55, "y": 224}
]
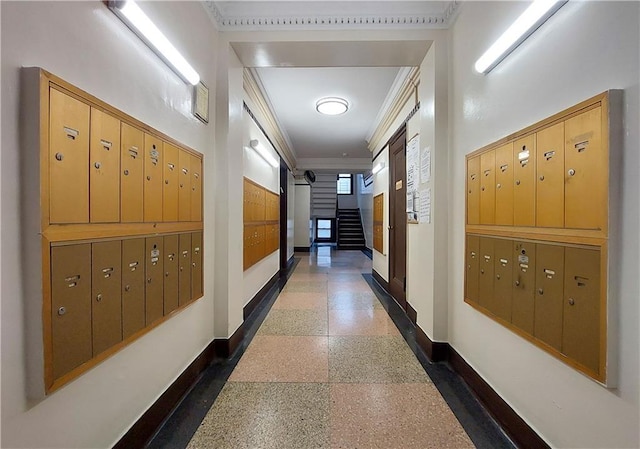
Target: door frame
[{"x": 398, "y": 292}]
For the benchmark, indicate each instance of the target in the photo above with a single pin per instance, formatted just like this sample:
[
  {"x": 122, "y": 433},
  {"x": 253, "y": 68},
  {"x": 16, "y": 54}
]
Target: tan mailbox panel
[
  {"x": 581, "y": 321},
  {"x": 131, "y": 175},
  {"x": 171, "y": 259},
  {"x": 171, "y": 168},
  {"x": 68, "y": 159},
  {"x": 485, "y": 278},
  {"x": 504, "y": 185},
  {"x": 524, "y": 277},
  {"x": 104, "y": 169},
  {"x": 503, "y": 273},
  {"x": 586, "y": 175},
  {"x": 196, "y": 265},
  {"x": 550, "y": 173},
  {"x": 153, "y": 175},
  {"x": 524, "y": 185},
  {"x": 106, "y": 297},
  {"x": 70, "y": 307},
  {"x": 549, "y": 292},
  {"x": 488, "y": 188},
  {"x": 196, "y": 188},
  {"x": 185, "y": 269},
  {"x": 473, "y": 190},
  {"x": 154, "y": 303},
  {"x": 472, "y": 268},
  {"x": 184, "y": 186},
  {"x": 133, "y": 280}
]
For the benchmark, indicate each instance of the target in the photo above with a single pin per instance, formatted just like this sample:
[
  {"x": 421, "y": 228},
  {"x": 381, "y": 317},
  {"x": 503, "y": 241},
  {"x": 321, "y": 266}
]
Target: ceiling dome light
[{"x": 332, "y": 106}]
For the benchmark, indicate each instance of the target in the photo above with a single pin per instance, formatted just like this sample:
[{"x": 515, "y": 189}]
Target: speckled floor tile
[
  {"x": 346, "y": 277},
  {"x": 283, "y": 359},
  {"x": 262, "y": 415},
  {"x": 306, "y": 286},
  {"x": 387, "y": 416},
  {"x": 373, "y": 359},
  {"x": 353, "y": 287},
  {"x": 295, "y": 322},
  {"x": 300, "y": 301},
  {"x": 361, "y": 322},
  {"x": 358, "y": 300},
  {"x": 302, "y": 276}
]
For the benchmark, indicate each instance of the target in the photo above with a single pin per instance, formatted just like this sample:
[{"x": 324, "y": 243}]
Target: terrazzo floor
[{"x": 328, "y": 368}]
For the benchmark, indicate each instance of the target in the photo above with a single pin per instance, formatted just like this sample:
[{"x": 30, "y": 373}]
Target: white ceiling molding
[
  {"x": 407, "y": 93},
  {"x": 268, "y": 120},
  {"x": 280, "y": 19}
]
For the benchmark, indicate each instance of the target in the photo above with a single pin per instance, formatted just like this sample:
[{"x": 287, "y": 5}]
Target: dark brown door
[{"x": 398, "y": 218}]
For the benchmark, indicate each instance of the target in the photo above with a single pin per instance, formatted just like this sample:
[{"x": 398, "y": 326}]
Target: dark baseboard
[
  {"x": 513, "y": 425},
  {"x": 262, "y": 293},
  {"x": 287, "y": 269},
  {"x": 436, "y": 351},
  {"x": 367, "y": 252},
  {"x": 226, "y": 346},
  {"x": 302, "y": 249},
  {"x": 384, "y": 284},
  {"x": 412, "y": 314},
  {"x": 148, "y": 424}
]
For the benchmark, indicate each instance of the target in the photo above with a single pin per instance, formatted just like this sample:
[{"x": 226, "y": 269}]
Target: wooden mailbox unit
[
  {"x": 378, "y": 220},
  {"x": 261, "y": 217},
  {"x": 537, "y": 232},
  {"x": 121, "y": 226}
]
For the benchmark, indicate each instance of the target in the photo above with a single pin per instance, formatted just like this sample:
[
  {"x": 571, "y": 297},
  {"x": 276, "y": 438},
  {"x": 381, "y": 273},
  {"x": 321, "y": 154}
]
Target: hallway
[{"x": 329, "y": 368}]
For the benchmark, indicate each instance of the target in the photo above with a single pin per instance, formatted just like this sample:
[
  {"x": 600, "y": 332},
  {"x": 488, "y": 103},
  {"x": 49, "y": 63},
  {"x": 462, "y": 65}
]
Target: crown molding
[
  {"x": 406, "y": 93},
  {"x": 261, "y": 107},
  {"x": 280, "y": 22}
]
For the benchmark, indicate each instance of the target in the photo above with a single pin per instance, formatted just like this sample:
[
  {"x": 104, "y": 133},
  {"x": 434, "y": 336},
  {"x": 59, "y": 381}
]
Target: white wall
[
  {"x": 262, "y": 173},
  {"x": 585, "y": 49},
  {"x": 349, "y": 201},
  {"x": 302, "y": 215},
  {"x": 291, "y": 208},
  {"x": 381, "y": 185},
  {"x": 365, "y": 204},
  {"x": 85, "y": 44}
]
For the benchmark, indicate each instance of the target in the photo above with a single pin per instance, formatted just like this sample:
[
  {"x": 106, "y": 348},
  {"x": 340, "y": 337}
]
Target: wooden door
[{"x": 398, "y": 219}]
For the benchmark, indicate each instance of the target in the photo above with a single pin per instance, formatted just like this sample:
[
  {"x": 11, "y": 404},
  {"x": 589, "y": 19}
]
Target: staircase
[
  {"x": 350, "y": 233},
  {"x": 323, "y": 196}
]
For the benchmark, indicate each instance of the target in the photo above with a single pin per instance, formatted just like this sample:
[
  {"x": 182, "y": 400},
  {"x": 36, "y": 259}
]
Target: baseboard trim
[
  {"x": 436, "y": 351},
  {"x": 226, "y": 346},
  {"x": 412, "y": 314},
  {"x": 287, "y": 269},
  {"x": 384, "y": 284},
  {"x": 302, "y": 249},
  {"x": 367, "y": 252},
  {"x": 148, "y": 424},
  {"x": 260, "y": 296},
  {"x": 513, "y": 425}
]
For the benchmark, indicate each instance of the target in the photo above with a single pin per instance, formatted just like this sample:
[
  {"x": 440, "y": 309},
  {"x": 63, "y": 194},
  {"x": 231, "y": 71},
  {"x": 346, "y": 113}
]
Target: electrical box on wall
[
  {"x": 120, "y": 207},
  {"x": 538, "y": 214}
]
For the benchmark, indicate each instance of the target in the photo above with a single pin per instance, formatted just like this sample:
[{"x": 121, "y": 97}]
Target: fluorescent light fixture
[
  {"x": 379, "y": 166},
  {"x": 131, "y": 14},
  {"x": 332, "y": 106},
  {"x": 534, "y": 16},
  {"x": 262, "y": 151}
]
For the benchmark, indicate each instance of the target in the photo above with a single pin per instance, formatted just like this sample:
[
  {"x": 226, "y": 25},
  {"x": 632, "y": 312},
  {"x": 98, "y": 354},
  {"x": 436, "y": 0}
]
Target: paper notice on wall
[
  {"x": 410, "y": 202},
  {"x": 425, "y": 206},
  {"x": 413, "y": 161},
  {"x": 425, "y": 165}
]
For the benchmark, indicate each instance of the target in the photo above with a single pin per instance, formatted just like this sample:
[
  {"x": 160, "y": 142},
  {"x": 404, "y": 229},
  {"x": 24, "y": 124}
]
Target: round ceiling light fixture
[{"x": 332, "y": 106}]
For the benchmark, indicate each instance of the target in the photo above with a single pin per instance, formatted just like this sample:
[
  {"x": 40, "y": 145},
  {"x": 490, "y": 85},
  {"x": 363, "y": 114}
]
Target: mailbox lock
[
  {"x": 166, "y": 181},
  {"x": 97, "y": 165},
  {"x": 481, "y": 271},
  {"x": 62, "y": 311},
  {"x": 542, "y": 178},
  {"x": 166, "y": 274},
  {"x": 517, "y": 283},
  {"x": 571, "y": 301},
  {"x": 540, "y": 291},
  {"x": 59, "y": 156},
  {"x": 127, "y": 288},
  {"x": 498, "y": 276},
  {"x": 193, "y": 264},
  {"x": 483, "y": 189},
  {"x": 126, "y": 172},
  {"x": 499, "y": 185},
  {"x": 99, "y": 297},
  {"x": 571, "y": 172},
  {"x": 149, "y": 281},
  {"x": 148, "y": 178},
  {"x": 518, "y": 182}
]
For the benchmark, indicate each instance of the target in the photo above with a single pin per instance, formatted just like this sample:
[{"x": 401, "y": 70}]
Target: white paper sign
[
  {"x": 425, "y": 206},
  {"x": 425, "y": 165},
  {"x": 413, "y": 156}
]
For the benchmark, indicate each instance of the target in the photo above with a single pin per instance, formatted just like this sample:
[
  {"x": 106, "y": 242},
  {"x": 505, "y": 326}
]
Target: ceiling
[{"x": 294, "y": 75}]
